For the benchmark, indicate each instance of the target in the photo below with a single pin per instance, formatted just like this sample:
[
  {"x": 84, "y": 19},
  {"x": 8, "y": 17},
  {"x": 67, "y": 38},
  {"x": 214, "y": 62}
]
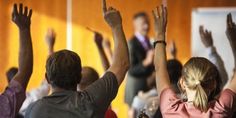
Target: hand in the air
[
  {"x": 21, "y": 18},
  {"x": 111, "y": 15},
  {"x": 98, "y": 38},
  {"x": 206, "y": 37},
  {"x": 231, "y": 30},
  {"x": 173, "y": 49},
  {"x": 160, "y": 19},
  {"x": 50, "y": 38}
]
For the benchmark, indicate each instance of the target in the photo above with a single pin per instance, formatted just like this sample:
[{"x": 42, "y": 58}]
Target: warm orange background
[{"x": 87, "y": 13}]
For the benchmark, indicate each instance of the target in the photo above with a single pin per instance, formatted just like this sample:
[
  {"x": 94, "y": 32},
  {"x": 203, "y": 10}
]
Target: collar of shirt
[{"x": 142, "y": 40}]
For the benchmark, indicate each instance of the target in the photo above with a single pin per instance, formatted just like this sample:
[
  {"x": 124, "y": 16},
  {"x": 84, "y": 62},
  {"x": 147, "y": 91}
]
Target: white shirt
[{"x": 35, "y": 95}]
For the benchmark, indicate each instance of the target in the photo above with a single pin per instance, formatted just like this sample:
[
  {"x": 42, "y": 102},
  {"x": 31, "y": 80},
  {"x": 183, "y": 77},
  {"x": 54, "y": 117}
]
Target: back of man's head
[
  {"x": 11, "y": 73},
  {"x": 174, "y": 68},
  {"x": 89, "y": 75},
  {"x": 63, "y": 70}
]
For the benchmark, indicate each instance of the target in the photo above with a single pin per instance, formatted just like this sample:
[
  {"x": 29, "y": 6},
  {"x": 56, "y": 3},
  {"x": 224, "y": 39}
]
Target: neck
[
  {"x": 57, "y": 89},
  {"x": 140, "y": 33},
  {"x": 190, "y": 95}
]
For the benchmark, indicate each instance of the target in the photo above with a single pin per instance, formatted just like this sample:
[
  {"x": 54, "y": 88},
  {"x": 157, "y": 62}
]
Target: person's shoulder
[
  {"x": 132, "y": 39},
  {"x": 33, "y": 108}
]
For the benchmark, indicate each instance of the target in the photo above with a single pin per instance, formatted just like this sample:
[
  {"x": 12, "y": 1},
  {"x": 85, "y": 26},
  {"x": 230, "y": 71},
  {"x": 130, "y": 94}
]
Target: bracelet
[{"x": 155, "y": 43}]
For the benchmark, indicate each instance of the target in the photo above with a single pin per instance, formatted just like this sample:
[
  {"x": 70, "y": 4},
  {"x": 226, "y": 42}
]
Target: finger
[
  {"x": 154, "y": 14},
  {"x": 229, "y": 20},
  {"x": 201, "y": 30},
  {"x": 157, "y": 12},
  {"x": 30, "y": 13},
  {"x": 26, "y": 11},
  {"x": 161, "y": 11},
  {"x": 15, "y": 9},
  {"x": 104, "y": 6},
  {"x": 21, "y": 9},
  {"x": 110, "y": 8},
  {"x": 164, "y": 2},
  {"x": 165, "y": 15}
]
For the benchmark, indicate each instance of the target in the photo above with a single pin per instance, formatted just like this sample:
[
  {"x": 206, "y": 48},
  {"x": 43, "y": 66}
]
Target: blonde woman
[{"x": 198, "y": 81}]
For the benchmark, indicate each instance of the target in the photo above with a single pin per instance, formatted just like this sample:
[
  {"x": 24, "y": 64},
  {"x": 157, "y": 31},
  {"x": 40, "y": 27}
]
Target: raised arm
[
  {"x": 173, "y": 50},
  {"x": 23, "y": 19},
  {"x": 162, "y": 77},
  {"x": 120, "y": 62},
  {"x": 213, "y": 56},
  {"x": 231, "y": 34},
  {"x": 98, "y": 40},
  {"x": 50, "y": 40},
  {"x": 107, "y": 47}
]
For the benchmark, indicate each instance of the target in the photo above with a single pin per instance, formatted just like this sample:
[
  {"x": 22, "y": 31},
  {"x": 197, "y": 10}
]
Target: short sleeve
[
  {"x": 12, "y": 99},
  {"x": 104, "y": 90},
  {"x": 227, "y": 100},
  {"x": 168, "y": 99}
]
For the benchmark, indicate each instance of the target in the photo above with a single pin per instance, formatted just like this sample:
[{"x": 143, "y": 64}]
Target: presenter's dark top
[{"x": 137, "y": 54}]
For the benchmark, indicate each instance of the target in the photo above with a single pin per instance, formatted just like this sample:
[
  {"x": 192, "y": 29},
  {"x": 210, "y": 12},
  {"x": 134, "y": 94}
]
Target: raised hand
[
  {"x": 98, "y": 39},
  {"x": 173, "y": 50},
  {"x": 20, "y": 18},
  {"x": 231, "y": 31},
  {"x": 160, "y": 19},
  {"x": 50, "y": 38},
  {"x": 111, "y": 15},
  {"x": 206, "y": 37}
]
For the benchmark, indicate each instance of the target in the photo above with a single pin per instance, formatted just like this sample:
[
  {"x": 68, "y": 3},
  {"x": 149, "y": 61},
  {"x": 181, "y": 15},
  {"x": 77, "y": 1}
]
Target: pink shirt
[
  {"x": 11, "y": 100},
  {"x": 173, "y": 107}
]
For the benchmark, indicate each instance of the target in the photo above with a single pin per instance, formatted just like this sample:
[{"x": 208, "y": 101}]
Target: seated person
[
  {"x": 44, "y": 88},
  {"x": 14, "y": 95},
  {"x": 149, "y": 100},
  {"x": 198, "y": 81},
  {"x": 63, "y": 72}
]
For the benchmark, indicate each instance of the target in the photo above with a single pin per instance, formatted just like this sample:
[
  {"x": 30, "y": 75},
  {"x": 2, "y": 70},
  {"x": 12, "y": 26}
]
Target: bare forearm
[
  {"x": 105, "y": 62},
  {"x": 120, "y": 57},
  {"x": 25, "y": 58},
  {"x": 162, "y": 77}
]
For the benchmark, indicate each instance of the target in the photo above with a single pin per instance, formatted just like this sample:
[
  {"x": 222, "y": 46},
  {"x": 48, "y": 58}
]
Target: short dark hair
[
  {"x": 63, "y": 69},
  {"x": 89, "y": 75},
  {"x": 140, "y": 14},
  {"x": 174, "y": 68},
  {"x": 11, "y": 73}
]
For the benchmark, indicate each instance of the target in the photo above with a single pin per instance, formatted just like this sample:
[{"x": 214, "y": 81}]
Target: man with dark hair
[
  {"x": 141, "y": 58},
  {"x": 63, "y": 72},
  {"x": 14, "y": 95},
  {"x": 11, "y": 73}
]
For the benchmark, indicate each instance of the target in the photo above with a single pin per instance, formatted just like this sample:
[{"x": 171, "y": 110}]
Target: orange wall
[{"x": 87, "y": 13}]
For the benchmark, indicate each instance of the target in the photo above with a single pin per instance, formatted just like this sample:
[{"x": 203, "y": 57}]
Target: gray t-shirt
[{"x": 90, "y": 103}]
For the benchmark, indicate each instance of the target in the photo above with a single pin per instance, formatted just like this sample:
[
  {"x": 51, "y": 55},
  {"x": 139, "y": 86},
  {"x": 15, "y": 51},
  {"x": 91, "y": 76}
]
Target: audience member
[
  {"x": 14, "y": 95},
  {"x": 63, "y": 72},
  {"x": 141, "y": 59},
  {"x": 198, "y": 81},
  {"x": 214, "y": 57},
  {"x": 149, "y": 101},
  {"x": 44, "y": 88}
]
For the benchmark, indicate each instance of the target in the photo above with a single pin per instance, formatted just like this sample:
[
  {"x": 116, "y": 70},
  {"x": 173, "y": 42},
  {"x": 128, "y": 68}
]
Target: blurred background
[{"x": 69, "y": 19}]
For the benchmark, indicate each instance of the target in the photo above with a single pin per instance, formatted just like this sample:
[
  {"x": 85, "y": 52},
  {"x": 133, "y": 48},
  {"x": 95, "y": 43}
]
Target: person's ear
[
  {"x": 46, "y": 77},
  {"x": 182, "y": 84}
]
